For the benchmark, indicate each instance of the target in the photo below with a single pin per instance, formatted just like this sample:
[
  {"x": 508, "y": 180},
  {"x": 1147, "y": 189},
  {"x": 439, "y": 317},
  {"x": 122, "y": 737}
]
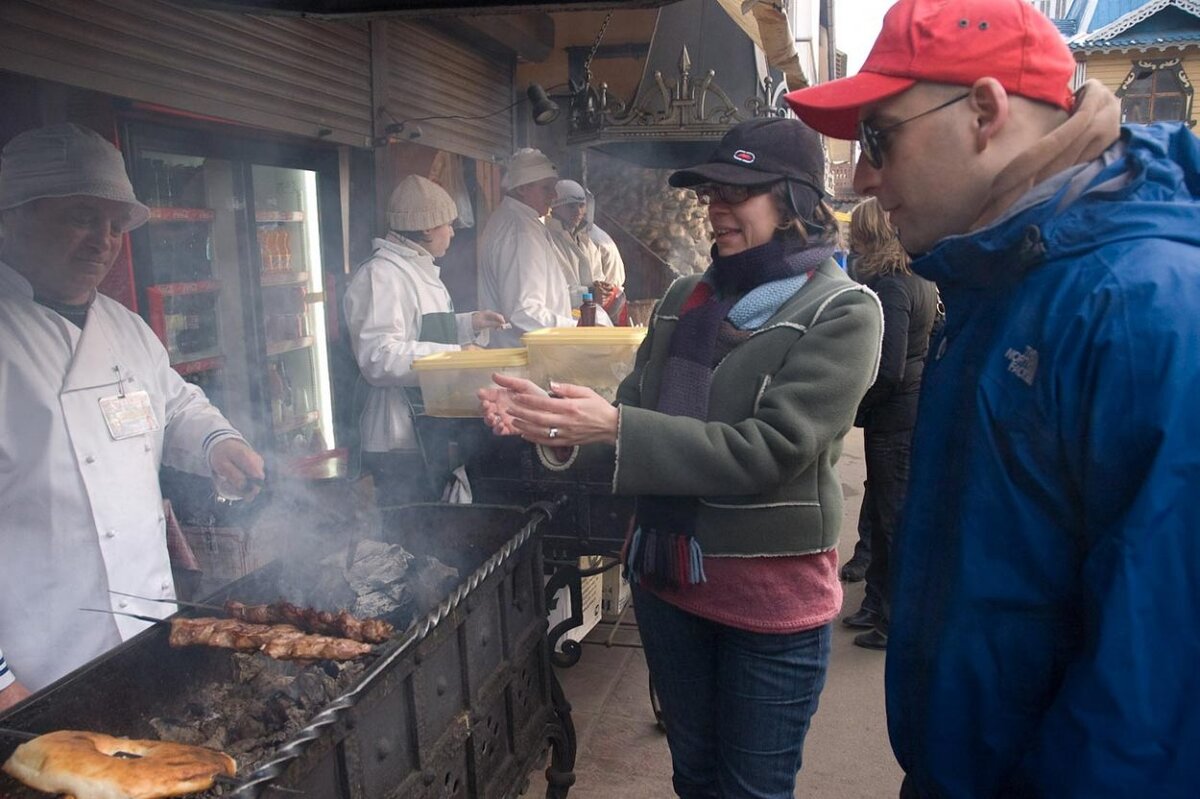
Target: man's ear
[{"x": 989, "y": 103}]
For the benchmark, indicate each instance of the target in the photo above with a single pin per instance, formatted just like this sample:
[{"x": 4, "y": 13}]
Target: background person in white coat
[
  {"x": 519, "y": 271},
  {"x": 398, "y": 309},
  {"x": 579, "y": 256},
  {"x": 91, "y": 409}
]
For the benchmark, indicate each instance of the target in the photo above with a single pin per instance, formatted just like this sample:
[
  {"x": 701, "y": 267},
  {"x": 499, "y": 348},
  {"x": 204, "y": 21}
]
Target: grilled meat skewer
[
  {"x": 280, "y": 641},
  {"x": 340, "y": 625}
]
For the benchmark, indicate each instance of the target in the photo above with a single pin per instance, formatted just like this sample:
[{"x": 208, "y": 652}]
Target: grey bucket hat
[{"x": 64, "y": 161}]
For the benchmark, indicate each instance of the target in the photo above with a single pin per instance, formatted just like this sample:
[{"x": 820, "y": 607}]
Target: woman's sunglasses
[
  {"x": 873, "y": 140},
  {"x": 729, "y": 194}
]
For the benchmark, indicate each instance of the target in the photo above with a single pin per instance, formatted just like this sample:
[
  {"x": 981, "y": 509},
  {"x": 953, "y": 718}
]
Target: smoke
[{"x": 670, "y": 222}]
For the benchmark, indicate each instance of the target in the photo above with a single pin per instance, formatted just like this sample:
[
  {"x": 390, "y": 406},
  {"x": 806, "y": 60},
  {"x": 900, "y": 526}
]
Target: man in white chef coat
[
  {"x": 519, "y": 271},
  {"x": 91, "y": 409}
]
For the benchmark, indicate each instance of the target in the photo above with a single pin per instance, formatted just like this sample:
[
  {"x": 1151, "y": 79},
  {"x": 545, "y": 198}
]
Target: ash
[{"x": 264, "y": 704}]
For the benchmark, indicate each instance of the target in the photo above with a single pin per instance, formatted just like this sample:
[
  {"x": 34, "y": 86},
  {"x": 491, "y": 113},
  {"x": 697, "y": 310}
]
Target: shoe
[
  {"x": 864, "y": 619},
  {"x": 854, "y": 570},
  {"x": 871, "y": 639}
]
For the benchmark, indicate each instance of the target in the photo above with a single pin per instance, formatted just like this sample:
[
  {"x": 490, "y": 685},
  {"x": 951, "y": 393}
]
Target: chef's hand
[
  {"x": 483, "y": 320},
  {"x": 574, "y": 414},
  {"x": 605, "y": 292},
  {"x": 11, "y": 695},
  {"x": 237, "y": 469}
]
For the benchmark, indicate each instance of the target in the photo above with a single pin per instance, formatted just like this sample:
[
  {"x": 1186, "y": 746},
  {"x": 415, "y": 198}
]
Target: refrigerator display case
[{"x": 231, "y": 275}]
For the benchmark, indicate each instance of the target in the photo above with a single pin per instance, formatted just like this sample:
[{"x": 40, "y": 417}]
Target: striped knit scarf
[{"x": 663, "y": 549}]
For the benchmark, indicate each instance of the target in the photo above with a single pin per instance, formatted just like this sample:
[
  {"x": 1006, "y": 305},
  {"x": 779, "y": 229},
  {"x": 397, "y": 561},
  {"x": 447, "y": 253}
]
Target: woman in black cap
[{"x": 727, "y": 431}]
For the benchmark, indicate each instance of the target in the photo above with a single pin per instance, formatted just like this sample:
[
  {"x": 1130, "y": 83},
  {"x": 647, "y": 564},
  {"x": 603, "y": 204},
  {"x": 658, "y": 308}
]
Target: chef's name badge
[{"x": 128, "y": 415}]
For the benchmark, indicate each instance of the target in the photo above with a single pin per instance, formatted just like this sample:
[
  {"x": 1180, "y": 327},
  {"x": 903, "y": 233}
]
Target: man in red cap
[{"x": 1045, "y": 594}]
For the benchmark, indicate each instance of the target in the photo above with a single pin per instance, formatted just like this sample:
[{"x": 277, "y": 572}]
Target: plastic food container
[
  {"x": 449, "y": 380},
  {"x": 596, "y": 357}
]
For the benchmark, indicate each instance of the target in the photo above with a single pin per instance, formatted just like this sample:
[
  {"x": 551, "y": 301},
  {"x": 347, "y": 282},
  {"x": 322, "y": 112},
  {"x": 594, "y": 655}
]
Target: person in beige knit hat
[
  {"x": 519, "y": 266},
  {"x": 398, "y": 309}
]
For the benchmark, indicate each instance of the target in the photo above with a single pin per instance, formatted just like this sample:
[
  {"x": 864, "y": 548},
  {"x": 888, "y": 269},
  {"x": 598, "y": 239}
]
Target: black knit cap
[{"x": 761, "y": 151}]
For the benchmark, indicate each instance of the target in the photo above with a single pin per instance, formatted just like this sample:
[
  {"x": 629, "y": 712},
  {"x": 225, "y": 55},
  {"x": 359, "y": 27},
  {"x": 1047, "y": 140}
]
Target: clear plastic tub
[
  {"x": 449, "y": 380},
  {"x": 596, "y": 357}
]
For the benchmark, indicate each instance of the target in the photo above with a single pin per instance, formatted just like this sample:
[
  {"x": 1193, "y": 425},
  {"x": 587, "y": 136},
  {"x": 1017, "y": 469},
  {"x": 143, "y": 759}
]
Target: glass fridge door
[
  {"x": 292, "y": 276},
  {"x": 187, "y": 262}
]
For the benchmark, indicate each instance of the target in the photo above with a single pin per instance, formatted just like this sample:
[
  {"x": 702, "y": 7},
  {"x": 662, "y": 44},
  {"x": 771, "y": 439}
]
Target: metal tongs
[{"x": 228, "y": 498}]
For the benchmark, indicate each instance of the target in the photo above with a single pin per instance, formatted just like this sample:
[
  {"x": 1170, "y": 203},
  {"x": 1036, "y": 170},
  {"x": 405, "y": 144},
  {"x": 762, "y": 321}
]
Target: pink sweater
[{"x": 764, "y": 595}]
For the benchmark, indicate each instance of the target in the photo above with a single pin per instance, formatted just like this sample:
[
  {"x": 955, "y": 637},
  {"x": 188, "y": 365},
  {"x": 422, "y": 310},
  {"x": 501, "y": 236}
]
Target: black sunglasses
[
  {"x": 729, "y": 194},
  {"x": 873, "y": 140}
]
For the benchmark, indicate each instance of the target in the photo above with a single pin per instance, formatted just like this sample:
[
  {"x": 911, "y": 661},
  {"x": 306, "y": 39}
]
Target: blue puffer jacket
[{"x": 1045, "y": 637}]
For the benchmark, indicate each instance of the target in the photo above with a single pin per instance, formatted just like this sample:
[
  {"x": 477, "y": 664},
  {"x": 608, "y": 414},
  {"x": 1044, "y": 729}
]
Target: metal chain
[{"x": 587, "y": 65}]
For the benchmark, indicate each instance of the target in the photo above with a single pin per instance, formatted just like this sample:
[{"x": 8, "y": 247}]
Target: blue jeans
[{"x": 736, "y": 704}]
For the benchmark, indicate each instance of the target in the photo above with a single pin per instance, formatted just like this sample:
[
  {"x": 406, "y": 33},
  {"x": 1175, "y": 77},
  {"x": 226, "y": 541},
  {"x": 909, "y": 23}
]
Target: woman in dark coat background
[{"x": 888, "y": 412}]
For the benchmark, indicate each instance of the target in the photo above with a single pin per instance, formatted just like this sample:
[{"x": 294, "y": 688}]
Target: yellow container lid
[
  {"x": 472, "y": 359},
  {"x": 585, "y": 335}
]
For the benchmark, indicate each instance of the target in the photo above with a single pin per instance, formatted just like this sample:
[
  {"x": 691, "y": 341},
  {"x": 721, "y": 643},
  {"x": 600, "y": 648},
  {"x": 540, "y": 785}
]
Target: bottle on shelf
[
  {"x": 275, "y": 388},
  {"x": 289, "y": 394},
  {"x": 587, "y": 311},
  {"x": 285, "y": 250}
]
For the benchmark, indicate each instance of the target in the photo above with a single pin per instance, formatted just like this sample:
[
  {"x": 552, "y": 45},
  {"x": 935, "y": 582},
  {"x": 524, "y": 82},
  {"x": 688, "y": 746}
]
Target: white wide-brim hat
[
  {"x": 526, "y": 166},
  {"x": 66, "y": 161}
]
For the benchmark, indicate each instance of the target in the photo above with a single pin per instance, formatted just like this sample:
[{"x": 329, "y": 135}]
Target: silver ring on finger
[{"x": 552, "y": 432}]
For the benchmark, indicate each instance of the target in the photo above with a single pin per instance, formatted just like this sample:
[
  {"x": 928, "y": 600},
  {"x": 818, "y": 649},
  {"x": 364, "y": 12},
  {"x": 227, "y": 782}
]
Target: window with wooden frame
[{"x": 1155, "y": 91}]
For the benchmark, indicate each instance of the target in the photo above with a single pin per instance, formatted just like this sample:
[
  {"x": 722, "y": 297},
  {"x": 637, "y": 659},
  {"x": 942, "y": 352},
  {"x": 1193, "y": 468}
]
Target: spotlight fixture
[
  {"x": 544, "y": 109},
  {"x": 410, "y": 132}
]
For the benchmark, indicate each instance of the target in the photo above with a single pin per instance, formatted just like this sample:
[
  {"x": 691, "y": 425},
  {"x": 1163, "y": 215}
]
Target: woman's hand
[
  {"x": 571, "y": 416},
  {"x": 484, "y": 320},
  {"x": 495, "y": 404}
]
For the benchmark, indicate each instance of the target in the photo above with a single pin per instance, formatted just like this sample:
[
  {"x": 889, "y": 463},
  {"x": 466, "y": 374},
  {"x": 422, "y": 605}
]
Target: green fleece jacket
[{"x": 780, "y": 404}]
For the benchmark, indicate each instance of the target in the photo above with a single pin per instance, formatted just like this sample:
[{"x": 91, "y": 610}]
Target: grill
[
  {"x": 463, "y": 704},
  {"x": 589, "y": 519}
]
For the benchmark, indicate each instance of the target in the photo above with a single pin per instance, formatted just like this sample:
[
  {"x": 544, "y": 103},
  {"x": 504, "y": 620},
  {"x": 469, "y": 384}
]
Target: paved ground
[{"x": 622, "y": 753}]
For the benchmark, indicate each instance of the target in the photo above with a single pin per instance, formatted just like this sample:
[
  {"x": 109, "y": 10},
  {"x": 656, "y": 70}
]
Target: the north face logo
[
  {"x": 745, "y": 156},
  {"x": 1023, "y": 364}
]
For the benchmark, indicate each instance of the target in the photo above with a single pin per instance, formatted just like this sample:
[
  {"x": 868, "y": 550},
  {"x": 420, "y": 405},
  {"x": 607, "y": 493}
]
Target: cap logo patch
[{"x": 745, "y": 156}]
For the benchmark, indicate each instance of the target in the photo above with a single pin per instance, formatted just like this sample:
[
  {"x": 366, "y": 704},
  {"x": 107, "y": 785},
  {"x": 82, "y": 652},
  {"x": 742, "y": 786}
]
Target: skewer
[
  {"x": 198, "y": 605},
  {"x": 137, "y": 616},
  {"x": 19, "y": 735}
]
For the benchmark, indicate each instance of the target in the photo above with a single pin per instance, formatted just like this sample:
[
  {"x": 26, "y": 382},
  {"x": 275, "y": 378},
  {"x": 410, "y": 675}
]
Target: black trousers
[{"x": 887, "y": 455}]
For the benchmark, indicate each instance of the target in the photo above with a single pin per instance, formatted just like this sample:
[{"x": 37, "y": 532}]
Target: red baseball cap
[{"x": 947, "y": 41}]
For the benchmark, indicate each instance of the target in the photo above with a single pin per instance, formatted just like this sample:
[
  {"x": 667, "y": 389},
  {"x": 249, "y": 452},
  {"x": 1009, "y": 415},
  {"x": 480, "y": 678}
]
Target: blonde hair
[{"x": 874, "y": 241}]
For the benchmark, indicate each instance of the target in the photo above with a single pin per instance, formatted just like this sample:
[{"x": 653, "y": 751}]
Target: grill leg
[
  {"x": 569, "y": 575},
  {"x": 560, "y": 774}
]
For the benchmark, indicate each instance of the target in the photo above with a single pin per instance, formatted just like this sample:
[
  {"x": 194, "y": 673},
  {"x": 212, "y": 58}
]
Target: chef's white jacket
[
  {"x": 80, "y": 512},
  {"x": 386, "y": 301},
  {"x": 612, "y": 266},
  {"x": 520, "y": 275},
  {"x": 578, "y": 257}
]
